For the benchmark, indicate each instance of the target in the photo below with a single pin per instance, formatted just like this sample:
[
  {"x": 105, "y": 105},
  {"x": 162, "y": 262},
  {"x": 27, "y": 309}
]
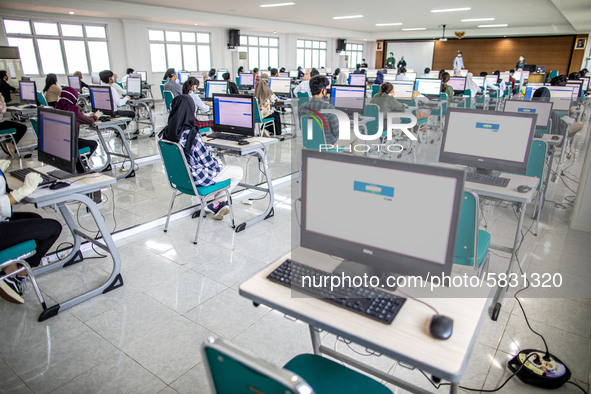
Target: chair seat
[
  {"x": 205, "y": 190},
  {"x": 326, "y": 376},
  {"x": 483, "y": 245},
  {"x": 7, "y": 131},
  {"x": 14, "y": 252},
  {"x": 84, "y": 151}
]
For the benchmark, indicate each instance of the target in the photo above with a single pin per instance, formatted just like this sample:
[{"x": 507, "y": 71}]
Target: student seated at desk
[
  {"x": 489, "y": 85},
  {"x": 304, "y": 86},
  {"x": 212, "y": 75},
  {"x": 127, "y": 74},
  {"x": 386, "y": 101},
  {"x": 402, "y": 76},
  {"x": 232, "y": 88},
  {"x": 51, "y": 90},
  {"x": 5, "y": 87},
  {"x": 107, "y": 79},
  {"x": 19, "y": 227},
  {"x": 266, "y": 99},
  {"x": 171, "y": 85},
  {"x": 426, "y": 73},
  {"x": 379, "y": 78},
  {"x": 512, "y": 80},
  {"x": 470, "y": 84},
  {"x": 190, "y": 88},
  {"x": 82, "y": 83},
  {"x": 68, "y": 102},
  {"x": 357, "y": 69},
  {"x": 445, "y": 88},
  {"x": 274, "y": 72},
  {"x": 205, "y": 169},
  {"x": 502, "y": 83},
  {"x": 21, "y": 129},
  {"x": 240, "y": 70},
  {"x": 300, "y": 73}
]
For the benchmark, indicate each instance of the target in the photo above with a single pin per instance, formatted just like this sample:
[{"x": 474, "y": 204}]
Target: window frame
[
  {"x": 259, "y": 46},
  {"x": 315, "y": 46},
  {"x": 195, "y": 43},
  {"x": 350, "y": 52}
]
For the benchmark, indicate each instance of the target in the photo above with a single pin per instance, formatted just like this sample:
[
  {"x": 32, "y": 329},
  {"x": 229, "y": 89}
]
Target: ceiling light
[
  {"x": 389, "y": 24},
  {"x": 196, "y": 24},
  {"x": 71, "y": 12},
  {"x": 501, "y": 25},
  {"x": 348, "y": 17},
  {"x": 275, "y": 5},
  {"x": 453, "y": 9},
  {"x": 478, "y": 20},
  {"x": 414, "y": 28}
]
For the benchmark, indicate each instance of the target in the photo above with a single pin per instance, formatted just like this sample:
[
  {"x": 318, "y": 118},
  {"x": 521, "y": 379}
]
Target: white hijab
[{"x": 470, "y": 84}]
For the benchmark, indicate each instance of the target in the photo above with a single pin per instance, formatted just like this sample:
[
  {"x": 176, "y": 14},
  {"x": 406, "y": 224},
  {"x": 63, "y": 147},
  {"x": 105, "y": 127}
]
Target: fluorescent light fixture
[
  {"x": 275, "y": 5},
  {"x": 453, "y": 9},
  {"x": 478, "y": 20},
  {"x": 196, "y": 24},
  {"x": 348, "y": 17},
  {"x": 500, "y": 25},
  {"x": 71, "y": 12},
  {"x": 414, "y": 28},
  {"x": 389, "y": 24}
]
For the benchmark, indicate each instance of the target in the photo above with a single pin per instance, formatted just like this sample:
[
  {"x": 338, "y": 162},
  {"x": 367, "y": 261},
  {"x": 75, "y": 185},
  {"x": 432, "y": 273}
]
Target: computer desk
[
  {"x": 137, "y": 105},
  {"x": 76, "y": 192},
  {"x": 552, "y": 144},
  {"x": 407, "y": 339},
  {"x": 115, "y": 124},
  {"x": 256, "y": 148},
  {"x": 20, "y": 113},
  {"x": 85, "y": 98}
]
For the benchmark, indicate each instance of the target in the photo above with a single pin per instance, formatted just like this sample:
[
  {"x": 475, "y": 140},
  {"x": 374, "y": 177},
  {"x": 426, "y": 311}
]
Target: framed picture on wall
[
  {"x": 580, "y": 43},
  {"x": 379, "y": 46}
]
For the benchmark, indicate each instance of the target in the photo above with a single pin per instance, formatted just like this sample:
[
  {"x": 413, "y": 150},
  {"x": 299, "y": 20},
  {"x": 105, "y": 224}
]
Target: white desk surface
[
  {"x": 548, "y": 138},
  {"x": 510, "y": 192},
  {"x": 407, "y": 339},
  {"x": 254, "y": 143}
]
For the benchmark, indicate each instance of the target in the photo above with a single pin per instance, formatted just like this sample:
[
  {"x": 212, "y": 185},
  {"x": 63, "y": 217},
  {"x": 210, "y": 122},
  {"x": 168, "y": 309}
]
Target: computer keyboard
[
  {"x": 367, "y": 301},
  {"x": 104, "y": 118},
  {"x": 226, "y": 136},
  {"x": 22, "y": 173},
  {"x": 487, "y": 179}
]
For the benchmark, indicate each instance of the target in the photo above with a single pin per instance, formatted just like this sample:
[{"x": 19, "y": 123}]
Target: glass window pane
[
  {"x": 203, "y": 38},
  {"x": 173, "y": 56},
  {"x": 253, "y": 41},
  {"x": 243, "y": 40},
  {"x": 72, "y": 31},
  {"x": 273, "y": 42},
  {"x": 322, "y": 59},
  {"x": 264, "y": 58},
  {"x": 158, "y": 56},
  {"x": 315, "y": 58},
  {"x": 253, "y": 57},
  {"x": 27, "y": 54},
  {"x": 45, "y": 29},
  {"x": 190, "y": 58},
  {"x": 274, "y": 57},
  {"x": 300, "y": 57},
  {"x": 96, "y": 32},
  {"x": 315, "y": 44},
  {"x": 204, "y": 57},
  {"x": 242, "y": 49},
  {"x": 17, "y": 27},
  {"x": 300, "y": 43},
  {"x": 348, "y": 48},
  {"x": 264, "y": 41},
  {"x": 308, "y": 58},
  {"x": 323, "y": 44},
  {"x": 308, "y": 44},
  {"x": 52, "y": 60},
  {"x": 156, "y": 35},
  {"x": 99, "y": 56},
  {"x": 188, "y": 37},
  {"x": 76, "y": 56},
  {"x": 173, "y": 36}
]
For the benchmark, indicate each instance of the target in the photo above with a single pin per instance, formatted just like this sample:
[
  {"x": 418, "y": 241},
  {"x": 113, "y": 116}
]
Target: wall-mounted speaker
[
  {"x": 233, "y": 38},
  {"x": 341, "y": 45}
]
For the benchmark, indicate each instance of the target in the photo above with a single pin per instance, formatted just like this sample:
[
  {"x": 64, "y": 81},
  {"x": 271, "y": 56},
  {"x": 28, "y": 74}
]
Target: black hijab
[{"x": 181, "y": 118}]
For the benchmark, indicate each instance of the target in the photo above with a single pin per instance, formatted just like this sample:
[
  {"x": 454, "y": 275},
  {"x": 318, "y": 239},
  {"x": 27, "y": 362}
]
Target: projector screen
[{"x": 418, "y": 54}]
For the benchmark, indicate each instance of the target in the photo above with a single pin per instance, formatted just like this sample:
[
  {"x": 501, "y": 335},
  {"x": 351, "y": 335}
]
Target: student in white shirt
[
  {"x": 304, "y": 86},
  {"x": 402, "y": 76},
  {"x": 458, "y": 62},
  {"x": 190, "y": 87},
  {"x": 488, "y": 84},
  {"x": 127, "y": 74},
  {"x": 108, "y": 79}
]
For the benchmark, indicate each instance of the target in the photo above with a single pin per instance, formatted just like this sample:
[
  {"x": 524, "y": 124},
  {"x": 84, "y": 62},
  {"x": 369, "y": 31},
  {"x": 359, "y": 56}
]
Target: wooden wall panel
[
  {"x": 380, "y": 60},
  {"x": 489, "y": 54},
  {"x": 578, "y": 55}
]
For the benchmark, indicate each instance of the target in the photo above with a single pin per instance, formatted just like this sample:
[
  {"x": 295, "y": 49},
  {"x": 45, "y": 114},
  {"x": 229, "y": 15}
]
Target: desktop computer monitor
[
  {"x": 524, "y": 75},
  {"x": 463, "y": 73},
  {"x": 561, "y": 91},
  {"x": 530, "y": 68},
  {"x": 220, "y": 74},
  {"x": 280, "y": 85},
  {"x": 542, "y": 108},
  {"x": 201, "y": 80},
  {"x": 434, "y": 74},
  {"x": 134, "y": 85},
  {"x": 403, "y": 89},
  {"x": 577, "y": 84},
  {"x": 517, "y": 75},
  {"x": 95, "y": 79},
  {"x": 215, "y": 87},
  {"x": 458, "y": 84},
  {"x": 487, "y": 140},
  {"x": 101, "y": 99},
  {"x": 371, "y": 73},
  {"x": 505, "y": 76},
  {"x": 246, "y": 81},
  {"x": 58, "y": 140},
  {"x": 348, "y": 98},
  {"x": 357, "y": 79},
  {"x": 479, "y": 81},
  {"x": 411, "y": 76},
  {"x": 561, "y": 103},
  {"x": 388, "y": 242},
  {"x": 233, "y": 113},
  {"x": 183, "y": 76},
  {"x": 328, "y": 83},
  {"x": 293, "y": 73},
  {"x": 390, "y": 78},
  {"x": 428, "y": 87},
  {"x": 28, "y": 92},
  {"x": 530, "y": 89},
  {"x": 585, "y": 83},
  {"x": 284, "y": 75},
  {"x": 143, "y": 75},
  {"x": 74, "y": 82}
]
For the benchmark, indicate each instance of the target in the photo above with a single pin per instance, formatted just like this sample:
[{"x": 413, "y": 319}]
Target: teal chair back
[
  {"x": 537, "y": 160},
  {"x": 375, "y": 89},
  {"x": 177, "y": 169},
  {"x": 553, "y": 73},
  {"x": 162, "y": 90},
  {"x": 257, "y": 111},
  {"x": 237, "y": 81},
  {"x": 41, "y": 99},
  {"x": 373, "y": 126},
  {"x": 466, "y": 241},
  {"x": 317, "y": 138},
  {"x": 302, "y": 98},
  {"x": 168, "y": 96},
  {"x": 35, "y": 125}
]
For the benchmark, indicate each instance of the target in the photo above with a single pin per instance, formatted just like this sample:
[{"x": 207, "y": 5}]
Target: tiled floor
[{"x": 145, "y": 336}]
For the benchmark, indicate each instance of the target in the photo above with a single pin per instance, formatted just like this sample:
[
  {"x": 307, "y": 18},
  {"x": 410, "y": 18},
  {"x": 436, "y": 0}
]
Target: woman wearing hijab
[
  {"x": 379, "y": 78},
  {"x": 51, "y": 90},
  {"x": 205, "y": 169},
  {"x": 68, "y": 102},
  {"x": 470, "y": 84},
  {"x": 266, "y": 98}
]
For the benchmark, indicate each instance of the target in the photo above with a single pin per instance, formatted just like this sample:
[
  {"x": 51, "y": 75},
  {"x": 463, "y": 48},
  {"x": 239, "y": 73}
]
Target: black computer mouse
[
  {"x": 441, "y": 327},
  {"x": 523, "y": 188},
  {"x": 243, "y": 142},
  {"x": 58, "y": 185},
  {"x": 556, "y": 137}
]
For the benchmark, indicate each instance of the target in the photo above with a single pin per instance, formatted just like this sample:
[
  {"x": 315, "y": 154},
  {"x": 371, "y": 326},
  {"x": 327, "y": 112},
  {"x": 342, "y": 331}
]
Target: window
[
  {"x": 51, "y": 47},
  {"x": 355, "y": 53},
  {"x": 181, "y": 50},
  {"x": 311, "y": 54},
  {"x": 263, "y": 52}
]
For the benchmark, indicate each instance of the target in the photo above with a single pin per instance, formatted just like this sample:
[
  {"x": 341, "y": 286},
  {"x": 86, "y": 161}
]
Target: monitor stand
[
  {"x": 485, "y": 171},
  {"x": 61, "y": 174}
]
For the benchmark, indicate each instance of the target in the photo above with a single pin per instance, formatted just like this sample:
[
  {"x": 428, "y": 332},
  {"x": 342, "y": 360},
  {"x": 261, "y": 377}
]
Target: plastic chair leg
[
  {"x": 231, "y": 208},
  {"x": 170, "y": 210},
  {"x": 203, "y": 204}
]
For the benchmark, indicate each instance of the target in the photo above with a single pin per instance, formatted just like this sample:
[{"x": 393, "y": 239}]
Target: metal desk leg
[
  {"x": 454, "y": 388},
  {"x": 316, "y": 341},
  {"x": 137, "y": 108},
  {"x": 269, "y": 212},
  {"x": 131, "y": 172}
]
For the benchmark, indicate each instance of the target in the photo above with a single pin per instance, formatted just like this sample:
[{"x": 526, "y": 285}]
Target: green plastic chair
[
  {"x": 472, "y": 244},
  {"x": 181, "y": 182},
  {"x": 373, "y": 126},
  {"x": 318, "y": 139},
  {"x": 16, "y": 255},
  {"x": 8, "y": 136},
  {"x": 375, "y": 89},
  {"x": 302, "y": 98},
  {"x": 234, "y": 371},
  {"x": 168, "y": 97},
  {"x": 554, "y": 73},
  {"x": 162, "y": 90},
  {"x": 263, "y": 123},
  {"x": 535, "y": 168},
  {"x": 41, "y": 99}
]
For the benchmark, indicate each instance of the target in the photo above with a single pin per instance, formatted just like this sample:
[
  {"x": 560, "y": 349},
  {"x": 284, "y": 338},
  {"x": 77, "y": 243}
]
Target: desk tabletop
[
  {"x": 140, "y": 100},
  {"x": 551, "y": 139},
  {"x": 254, "y": 143},
  {"x": 510, "y": 192},
  {"x": 407, "y": 339},
  {"x": 113, "y": 121}
]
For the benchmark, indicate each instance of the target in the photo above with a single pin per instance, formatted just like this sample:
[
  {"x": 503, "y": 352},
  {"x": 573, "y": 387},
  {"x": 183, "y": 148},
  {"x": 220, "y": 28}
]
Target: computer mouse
[
  {"x": 58, "y": 185},
  {"x": 243, "y": 142},
  {"x": 441, "y": 327},
  {"x": 556, "y": 137},
  {"x": 523, "y": 188}
]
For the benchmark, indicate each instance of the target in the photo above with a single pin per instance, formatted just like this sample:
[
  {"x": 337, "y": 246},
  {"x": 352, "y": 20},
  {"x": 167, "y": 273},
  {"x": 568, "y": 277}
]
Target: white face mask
[
  {"x": 521, "y": 58},
  {"x": 459, "y": 55}
]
